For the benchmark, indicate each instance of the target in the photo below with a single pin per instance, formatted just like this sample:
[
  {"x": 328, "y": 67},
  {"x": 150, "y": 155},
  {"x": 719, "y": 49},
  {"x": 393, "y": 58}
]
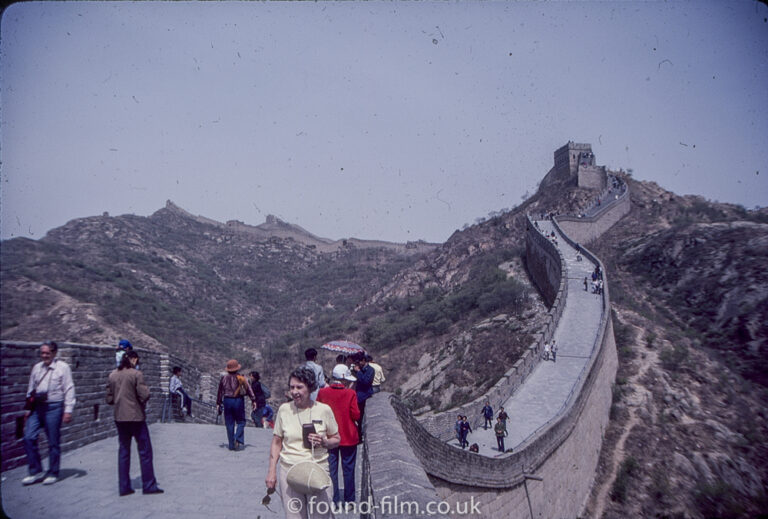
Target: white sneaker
[
  {"x": 50, "y": 480},
  {"x": 34, "y": 478}
]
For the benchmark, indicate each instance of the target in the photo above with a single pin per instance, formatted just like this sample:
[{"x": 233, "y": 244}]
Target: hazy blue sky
[{"x": 391, "y": 120}]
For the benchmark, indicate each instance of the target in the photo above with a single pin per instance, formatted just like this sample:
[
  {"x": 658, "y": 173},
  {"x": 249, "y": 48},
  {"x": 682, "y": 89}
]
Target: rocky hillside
[
  {"x": 689, "y": 435},
  {"x": 183, "y": 284}
]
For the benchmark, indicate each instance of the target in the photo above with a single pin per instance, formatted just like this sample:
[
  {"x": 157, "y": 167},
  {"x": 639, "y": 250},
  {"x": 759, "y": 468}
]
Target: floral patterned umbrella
[{"x": 345, "y": 347}]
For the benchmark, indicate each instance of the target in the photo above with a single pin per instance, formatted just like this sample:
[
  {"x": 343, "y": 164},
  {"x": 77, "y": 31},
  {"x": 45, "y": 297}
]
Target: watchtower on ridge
[{"x": 576, "y": 162}]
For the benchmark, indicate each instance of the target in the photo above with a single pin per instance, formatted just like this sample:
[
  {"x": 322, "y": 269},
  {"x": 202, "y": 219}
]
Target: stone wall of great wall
[
  {"x": 562, "y": 456},
  {"x": 549, "y": 268},
  {"x": 585, "y": 230},
  {"x": 592, "y": 177},
  {"x": 92, "y": 417}
]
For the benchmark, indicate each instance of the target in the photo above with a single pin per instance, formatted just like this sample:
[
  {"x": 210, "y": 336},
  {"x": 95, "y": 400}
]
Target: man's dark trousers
[
  {"x": 234, "y": 420},
  {"x": 186, "y": 400},
  {"x": 348, "y": 457},
  {"x": 125, "y": 432}
]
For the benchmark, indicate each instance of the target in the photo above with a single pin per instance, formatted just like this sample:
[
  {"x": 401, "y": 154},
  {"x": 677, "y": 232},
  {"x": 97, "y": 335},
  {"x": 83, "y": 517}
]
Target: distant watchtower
[{"x": 575, "y": 161}]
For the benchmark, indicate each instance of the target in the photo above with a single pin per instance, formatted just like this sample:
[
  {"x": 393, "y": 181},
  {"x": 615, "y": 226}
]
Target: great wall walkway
[
  {"x": 550, "y": 385},
  {"x": 201, "y": 478}
]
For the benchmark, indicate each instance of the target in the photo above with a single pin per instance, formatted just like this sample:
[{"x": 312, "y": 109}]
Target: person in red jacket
[{"x": 343, "y": 402}]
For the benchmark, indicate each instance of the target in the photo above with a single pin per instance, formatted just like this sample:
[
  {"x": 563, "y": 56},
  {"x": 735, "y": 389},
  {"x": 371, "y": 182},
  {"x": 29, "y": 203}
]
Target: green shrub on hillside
[
  {"x": 486, "y": 291},
  {"x": 674, "y": 358}
]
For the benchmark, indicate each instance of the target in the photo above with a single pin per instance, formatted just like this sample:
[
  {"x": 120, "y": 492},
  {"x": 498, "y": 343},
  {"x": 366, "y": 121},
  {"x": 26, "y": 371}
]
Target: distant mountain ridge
[
  {"x": 178, "y": 282},
  {"x": 274, "y": 227}
]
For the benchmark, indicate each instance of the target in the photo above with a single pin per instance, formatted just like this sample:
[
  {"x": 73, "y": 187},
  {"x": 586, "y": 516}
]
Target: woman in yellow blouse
[{"x": 289, "y": 446}]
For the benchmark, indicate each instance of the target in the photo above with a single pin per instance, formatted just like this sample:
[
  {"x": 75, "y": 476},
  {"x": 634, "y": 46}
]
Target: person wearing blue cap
[{"x": 122, "y": 347}]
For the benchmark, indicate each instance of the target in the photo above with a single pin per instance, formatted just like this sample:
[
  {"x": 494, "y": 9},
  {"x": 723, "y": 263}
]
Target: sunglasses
[{"x": 266, "y": 500}]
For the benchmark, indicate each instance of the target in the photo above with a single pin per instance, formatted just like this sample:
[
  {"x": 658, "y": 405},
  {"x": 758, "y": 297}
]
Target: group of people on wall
[
  {"x": 50, "y": 401},
  {"x": 321, "y": 423},
  {"x": 462, "y": 427}
]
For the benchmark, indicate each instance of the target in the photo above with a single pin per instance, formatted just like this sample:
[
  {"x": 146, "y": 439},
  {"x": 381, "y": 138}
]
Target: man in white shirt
[
  {"x": 53, "y": 391},
  {"x": 176, "y": 387}
]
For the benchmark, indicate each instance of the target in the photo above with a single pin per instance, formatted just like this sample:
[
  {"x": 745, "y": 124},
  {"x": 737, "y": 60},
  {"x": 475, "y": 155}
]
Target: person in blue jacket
[
  {"x": 364, "y": 386},
  {"x": 488, "y": 415}
]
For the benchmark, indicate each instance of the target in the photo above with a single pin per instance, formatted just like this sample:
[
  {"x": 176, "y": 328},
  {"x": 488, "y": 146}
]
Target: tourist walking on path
[
  {"x": 175, "y": 387},
  {"x": 364, "y": 385},
  {"x": 343, "y": 402},
  {"x": 311, "y": 354},
  {"x": 501, "y": 431},
  {"x": 261, "y": 392},
  {"x": 554, "y": 351},
  {"x": 464, "y": 429},
  {"x": 503, "y": 416},
  {"x": 546, "y": 351},
  {"x": 488, "y": 415},
  {"x": 290, "y": 446},
  {"x": 50, "y": 401},
  {"x": 129, "y": 394},
  {"x": 231, "y": 395}
]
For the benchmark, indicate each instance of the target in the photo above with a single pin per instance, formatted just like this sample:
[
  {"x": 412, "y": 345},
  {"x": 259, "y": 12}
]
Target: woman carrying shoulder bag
[{"x": 298, "y": 458}]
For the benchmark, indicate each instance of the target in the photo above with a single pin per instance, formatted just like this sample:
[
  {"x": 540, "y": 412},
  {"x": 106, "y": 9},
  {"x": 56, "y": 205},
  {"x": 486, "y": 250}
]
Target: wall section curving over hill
[{"x": 562, "y": 456}]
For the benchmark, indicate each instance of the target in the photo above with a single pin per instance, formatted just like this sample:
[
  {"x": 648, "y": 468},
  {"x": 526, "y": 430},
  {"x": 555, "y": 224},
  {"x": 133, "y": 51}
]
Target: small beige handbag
[{"x": 308, "y": 477}]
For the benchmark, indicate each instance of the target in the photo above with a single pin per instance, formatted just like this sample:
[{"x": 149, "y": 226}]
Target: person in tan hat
[{"x": 232, "y": 390}]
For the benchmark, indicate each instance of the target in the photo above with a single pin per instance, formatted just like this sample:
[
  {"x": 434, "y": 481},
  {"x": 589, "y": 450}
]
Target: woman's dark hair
[
  {"x": 255, "y": 375},
  {"x": 176, "y": 370},
  {"x": 125, "y": 362},
  {"x": 341, "y": 359},
  {"x": 306, "y": 376}
]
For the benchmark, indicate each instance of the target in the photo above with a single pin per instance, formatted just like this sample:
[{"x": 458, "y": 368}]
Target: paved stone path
[
  {"x": 547, "y": 388},
  {"x": 200, "y": 476}
]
